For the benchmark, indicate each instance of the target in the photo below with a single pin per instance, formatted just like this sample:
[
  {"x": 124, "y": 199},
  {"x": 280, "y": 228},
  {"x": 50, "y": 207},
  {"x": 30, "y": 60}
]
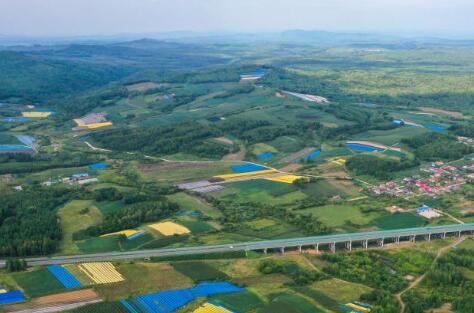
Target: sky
[{"x": 111, "y": 17}]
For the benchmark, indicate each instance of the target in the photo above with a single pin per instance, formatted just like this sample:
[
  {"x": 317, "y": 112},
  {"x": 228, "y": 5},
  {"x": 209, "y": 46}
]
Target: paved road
[{"x": 247, "y": 246}]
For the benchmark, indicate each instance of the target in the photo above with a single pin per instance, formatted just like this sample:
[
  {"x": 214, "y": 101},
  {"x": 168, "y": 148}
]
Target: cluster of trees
[
  {"x": 243, "y": 89},
  {"x": 131, "y": 216},
  {"x": 235, "y": 214},
  {"x": 28, "y": 221},
  {"x": 464, "y": 130},
  {"x": 382, "y": 301},
  {"x": 183, "y": 97},
  {"x": 299, "y": 275},
  {"x": 254, "y": 131},
  {"x": 433, "y": 146},
  {"x": 368, "y": 268},
  {"x": 16, "y": 265},
  {"x": 186, "y": 138},
  {"x": 18, "y": 164},
  {"x": 380, "y": 167},
  {"x": 446, "y": 282}
]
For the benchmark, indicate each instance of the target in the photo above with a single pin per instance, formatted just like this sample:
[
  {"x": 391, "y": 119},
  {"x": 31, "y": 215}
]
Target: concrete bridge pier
[
  {"x": 300, "y": 249},
  {"x": 413, "y": 238},
  {"x": 428, "y": 237},
  {"x": 366, "y": 244},
  {"x": 316, "y": 247},
  {"x": 397, "y": 240},
  {"x": 381, "y": 242},
  {"x": 265, "y": 251},
  {"x": 444, "y": 236},
  {"x": 332, "y": 247},
  {"x": 349, "y": 245},
  {"x": 282, "y": 250}
]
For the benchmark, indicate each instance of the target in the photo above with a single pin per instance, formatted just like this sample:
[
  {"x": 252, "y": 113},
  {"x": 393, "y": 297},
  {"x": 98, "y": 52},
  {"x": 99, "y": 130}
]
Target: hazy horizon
[{"x": 76, "y": 18}]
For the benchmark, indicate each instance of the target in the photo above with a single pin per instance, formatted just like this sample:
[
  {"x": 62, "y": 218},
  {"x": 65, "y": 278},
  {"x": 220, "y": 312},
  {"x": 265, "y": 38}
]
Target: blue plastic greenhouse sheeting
[
  {"x": 312, "y": 154},
  {"x": 15, "y": 119},
  {"x": 171, "y": 300},
  {"x": 99, "y": 166},
  {"x": 64, "y": 277},
  {"x": 208, "y": 289},
  {"x": 166, "y": 301},
  {"x": 11, "y": 297},
  {"x": 128, "y": 306},
  {"x": 363, "y": 148},
  {"x": 265, "y": 156},
  {"x": 246, "y": 168},
  {"x": 136, "y": 235},
  {"x": 14, "y": 147},
  {"x": 434, "y": 127}
]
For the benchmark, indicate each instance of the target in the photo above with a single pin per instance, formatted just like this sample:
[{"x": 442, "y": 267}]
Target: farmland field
[
  {"x": 273, "y": 165},
  {"x": 38, "y": 282},
  {"x": 401, "y": 220},
  {"x": 73, "y": 220},
  {"x": 199, "y": 271}
]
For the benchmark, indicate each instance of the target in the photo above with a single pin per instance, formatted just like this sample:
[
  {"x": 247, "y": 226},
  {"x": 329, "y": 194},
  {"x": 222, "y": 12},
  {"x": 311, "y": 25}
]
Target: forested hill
[
  {"x": 39, "y": 73},
  {"x": 35, "y": 78}
]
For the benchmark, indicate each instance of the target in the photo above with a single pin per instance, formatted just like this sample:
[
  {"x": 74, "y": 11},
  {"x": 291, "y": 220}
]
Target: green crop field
[
  {"x": 199, "y": 271},
  {"x": 102, "y": 244},
  {"x": 38, "y": 282},
  {"x": 107, "y": 207},
  {"x": 75, "y": 216},
  {"x": 285, "y": 302},
  {"x": 400, "y": 220},
  {"x": 239, "y": 302}
]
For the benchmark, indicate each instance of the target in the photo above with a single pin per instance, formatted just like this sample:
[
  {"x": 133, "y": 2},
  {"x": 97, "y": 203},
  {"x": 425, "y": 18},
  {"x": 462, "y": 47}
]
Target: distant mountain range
[{"x": 290, "y": 36}]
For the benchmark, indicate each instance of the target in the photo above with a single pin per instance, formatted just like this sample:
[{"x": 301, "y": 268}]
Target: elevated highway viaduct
[{"x": 327, "y": 242}]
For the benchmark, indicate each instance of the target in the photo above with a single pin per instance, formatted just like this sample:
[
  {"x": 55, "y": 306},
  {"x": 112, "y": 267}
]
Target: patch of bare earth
[
  {"x": 239, "y": 156},
  {"x": 224, "y": 140},
  {"x": 67, "y": 297},
  {"x": 291, "y": 167},
  {"x": 454, "y": 114},
  {"x": 142, "y": 87}
]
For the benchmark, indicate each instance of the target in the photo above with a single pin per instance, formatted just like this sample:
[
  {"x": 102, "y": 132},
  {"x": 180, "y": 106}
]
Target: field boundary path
[{"x": 417, "y": 281}]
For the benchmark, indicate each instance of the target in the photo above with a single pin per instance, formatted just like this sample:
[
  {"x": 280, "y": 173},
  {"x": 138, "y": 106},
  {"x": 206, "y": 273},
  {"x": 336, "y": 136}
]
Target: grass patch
[
  {"x": 165, "y": 241},
  {"x": 75, "y": 216},
  {"x": 38, "y": 283},
  {"x": 274, "y": 189},
  {"x": 399, "y": 220},
  {"x": 109, "y": 207},
  {"x": 339, "y": 290},
  {"x": 339, "y": 215},
  {"x": 261, "y": 223},
  {"x": 285, "y": 302},
  {"x": 143, "y": 278},
  {"x": 199, "y": 271},
  {"x": 239, "y": 302},
  {"x": 136, "y": 243},
  {"x": 102, "y": 244},
  {"x": 196, "y": 227},
  {"x": 321, "y": 189}
]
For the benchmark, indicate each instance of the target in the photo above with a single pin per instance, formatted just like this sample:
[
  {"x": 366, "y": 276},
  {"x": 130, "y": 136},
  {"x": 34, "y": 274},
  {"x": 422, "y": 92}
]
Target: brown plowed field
[{"x": 67, "y": 297}]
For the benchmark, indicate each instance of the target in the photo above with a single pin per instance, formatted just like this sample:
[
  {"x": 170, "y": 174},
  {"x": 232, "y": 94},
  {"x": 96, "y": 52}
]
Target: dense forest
[
  {"x": 433, "y": 146},
  {"x": 380, "y": 167},
  {"x": 184, "y": 138},
  {"x": 28, "y": 221}
]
